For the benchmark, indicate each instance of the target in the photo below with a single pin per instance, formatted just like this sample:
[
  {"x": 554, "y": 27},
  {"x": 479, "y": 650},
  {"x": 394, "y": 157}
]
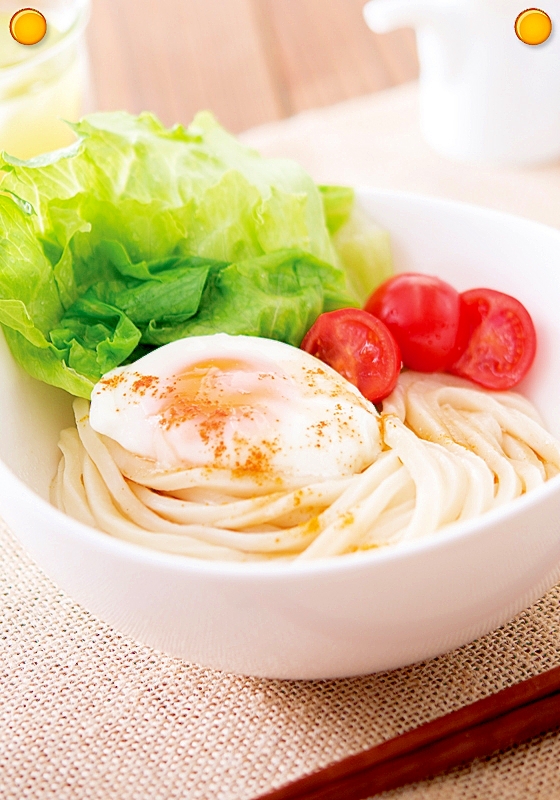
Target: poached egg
[{"x": 257, "y": 407}]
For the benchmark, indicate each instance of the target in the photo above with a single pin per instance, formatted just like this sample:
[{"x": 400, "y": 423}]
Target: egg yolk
[
  {"x": 212, "y": 387},
  {"x": 211, "y": 394}
]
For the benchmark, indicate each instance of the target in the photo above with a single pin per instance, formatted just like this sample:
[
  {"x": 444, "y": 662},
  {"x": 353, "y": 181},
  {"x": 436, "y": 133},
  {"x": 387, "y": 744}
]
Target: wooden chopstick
[{"x": 495, "y": 723}]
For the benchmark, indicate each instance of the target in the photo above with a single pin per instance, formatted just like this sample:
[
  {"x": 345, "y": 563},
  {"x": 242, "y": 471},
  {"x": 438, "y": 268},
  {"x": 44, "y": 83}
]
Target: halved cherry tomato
[
  {"x": 424, "y": 315},
  {"x": 359, "y": 347},
  {"x": 502, "y": 341}
]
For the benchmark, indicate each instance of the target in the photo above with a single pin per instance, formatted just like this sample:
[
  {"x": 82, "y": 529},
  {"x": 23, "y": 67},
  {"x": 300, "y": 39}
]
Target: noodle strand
[{"x": 451, "y": 452}]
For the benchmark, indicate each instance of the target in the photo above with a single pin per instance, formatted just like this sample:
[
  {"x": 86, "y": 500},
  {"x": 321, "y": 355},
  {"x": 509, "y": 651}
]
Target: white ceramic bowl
[{"x": 339, "y": 617}]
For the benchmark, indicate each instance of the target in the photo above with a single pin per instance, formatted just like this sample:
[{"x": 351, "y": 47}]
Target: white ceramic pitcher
[{"x": 485, "y": 95}]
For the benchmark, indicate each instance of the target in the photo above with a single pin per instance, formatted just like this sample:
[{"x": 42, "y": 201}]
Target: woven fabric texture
[{"x": 86, "y": 713}]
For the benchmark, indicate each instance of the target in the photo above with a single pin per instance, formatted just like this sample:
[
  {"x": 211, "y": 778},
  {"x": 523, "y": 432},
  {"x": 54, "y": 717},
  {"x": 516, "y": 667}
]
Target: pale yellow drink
[{"x": 40, "y": 86}]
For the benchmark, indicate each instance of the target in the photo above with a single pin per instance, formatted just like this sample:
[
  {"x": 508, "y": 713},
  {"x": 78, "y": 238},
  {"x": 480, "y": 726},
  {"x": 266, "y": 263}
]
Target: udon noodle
[{"x": 451, "y": 452}]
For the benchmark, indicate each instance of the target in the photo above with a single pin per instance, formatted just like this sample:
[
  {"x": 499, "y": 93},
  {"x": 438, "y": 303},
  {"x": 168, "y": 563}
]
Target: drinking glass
[{"x": 42, "y": 85}]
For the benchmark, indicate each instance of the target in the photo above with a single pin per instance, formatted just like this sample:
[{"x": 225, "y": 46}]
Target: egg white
[{"x": 239, "y": 403}]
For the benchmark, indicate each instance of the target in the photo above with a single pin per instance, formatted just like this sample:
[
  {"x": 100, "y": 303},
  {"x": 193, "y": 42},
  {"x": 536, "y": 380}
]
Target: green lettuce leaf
[
  {"x": 364, "y": 250},
  {"x": 137, "y": 235},
  {"x": 277, "y": 296},
  {"x": 338, "y": 202}
]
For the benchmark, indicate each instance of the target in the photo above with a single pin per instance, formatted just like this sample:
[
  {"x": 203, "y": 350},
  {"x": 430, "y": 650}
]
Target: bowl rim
[{"x": 367, "y": 559}]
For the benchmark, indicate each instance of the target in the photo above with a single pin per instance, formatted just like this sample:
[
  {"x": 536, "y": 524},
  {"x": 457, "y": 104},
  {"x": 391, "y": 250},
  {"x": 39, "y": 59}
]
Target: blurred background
[
  {"x": 249, "y": 61},
  {"x": 254, "y": 62}
]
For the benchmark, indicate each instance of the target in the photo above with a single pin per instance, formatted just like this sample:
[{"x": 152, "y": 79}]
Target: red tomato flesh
[
  {"x": 502, "y": 342},
  {"x": 424, "y": 315},
  {"x": 359, "y": 347}
]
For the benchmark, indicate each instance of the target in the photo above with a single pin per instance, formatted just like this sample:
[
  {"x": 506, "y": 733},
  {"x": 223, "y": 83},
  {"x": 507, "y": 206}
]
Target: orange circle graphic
[
  {"x": 28, "y": 26},
  {"x": 533, "y": 26}
]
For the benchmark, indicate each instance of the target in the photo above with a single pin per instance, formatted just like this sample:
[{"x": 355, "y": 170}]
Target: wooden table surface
[{"x": 249, "y": 61}]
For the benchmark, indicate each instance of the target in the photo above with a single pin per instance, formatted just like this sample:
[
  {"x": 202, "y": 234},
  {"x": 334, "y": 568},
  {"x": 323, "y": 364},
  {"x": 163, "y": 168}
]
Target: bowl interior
[
  {"x": 471, "y": 247},
  {"x": 464, "y": 245},
  {"x": 32, "y": 414}
]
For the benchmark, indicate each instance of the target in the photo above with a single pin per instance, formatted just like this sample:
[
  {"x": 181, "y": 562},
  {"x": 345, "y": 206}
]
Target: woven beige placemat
[{"x": 87, "y": 713}]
